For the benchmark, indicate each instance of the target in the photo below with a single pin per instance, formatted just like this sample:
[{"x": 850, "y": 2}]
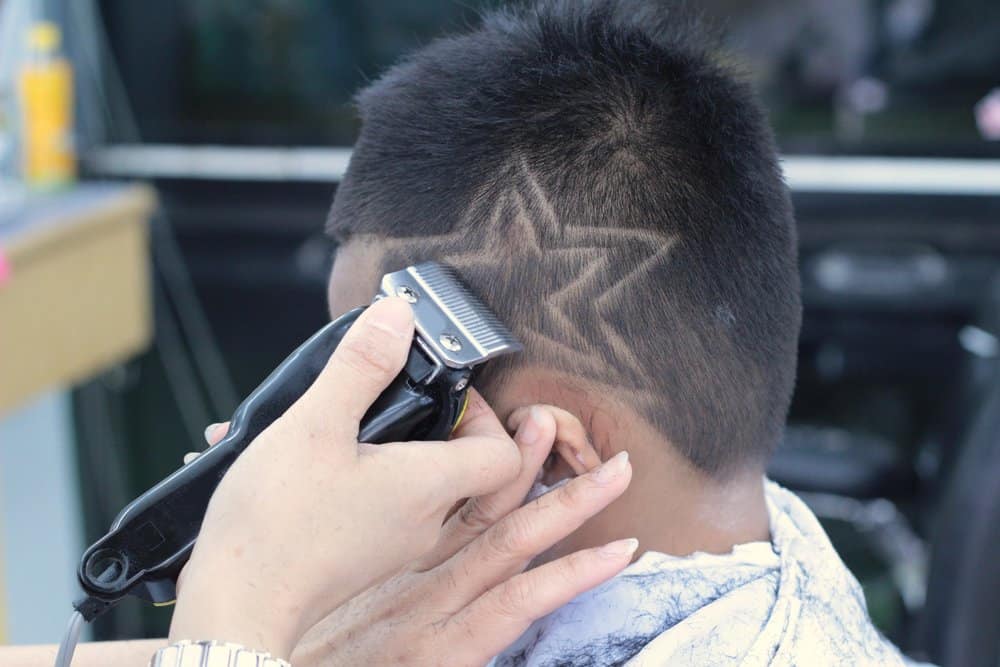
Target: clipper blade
[{"x": 452, "y": 321}]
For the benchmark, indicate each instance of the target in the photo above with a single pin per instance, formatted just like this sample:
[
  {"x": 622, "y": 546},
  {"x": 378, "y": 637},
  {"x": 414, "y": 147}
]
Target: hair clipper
[{"x": 152, "y": 538}]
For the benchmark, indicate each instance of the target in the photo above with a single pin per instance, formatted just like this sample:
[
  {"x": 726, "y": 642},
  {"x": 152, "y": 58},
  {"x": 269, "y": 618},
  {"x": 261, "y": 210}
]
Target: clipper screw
[
  {"x": 450, "y": 342},
  {"x": 407, "y": 292}
]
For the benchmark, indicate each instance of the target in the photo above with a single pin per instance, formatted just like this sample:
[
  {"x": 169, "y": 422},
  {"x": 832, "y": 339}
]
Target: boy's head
[{"x": 613, "y": 193}]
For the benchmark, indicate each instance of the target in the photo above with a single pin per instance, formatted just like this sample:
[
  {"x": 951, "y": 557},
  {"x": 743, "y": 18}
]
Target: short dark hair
[{"x": 613, "y": 191}]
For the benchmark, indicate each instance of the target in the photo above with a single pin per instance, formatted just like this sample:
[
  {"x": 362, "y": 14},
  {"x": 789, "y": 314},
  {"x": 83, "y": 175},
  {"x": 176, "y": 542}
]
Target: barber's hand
[
  {"x": 307, "y": 517},
  {"x": 468, "y": 599}
]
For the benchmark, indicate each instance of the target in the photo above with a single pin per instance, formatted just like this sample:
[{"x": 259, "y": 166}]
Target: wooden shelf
[{"x": 76, "y": 299}]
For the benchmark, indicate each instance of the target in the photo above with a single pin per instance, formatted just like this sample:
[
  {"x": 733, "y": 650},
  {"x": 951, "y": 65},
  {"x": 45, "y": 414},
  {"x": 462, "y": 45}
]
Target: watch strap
[{"x": 212, "y": 654}]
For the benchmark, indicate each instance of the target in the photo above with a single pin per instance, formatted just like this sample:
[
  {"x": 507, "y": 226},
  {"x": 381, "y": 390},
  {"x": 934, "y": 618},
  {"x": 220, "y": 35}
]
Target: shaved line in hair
[{"x": 513, "y": 238}]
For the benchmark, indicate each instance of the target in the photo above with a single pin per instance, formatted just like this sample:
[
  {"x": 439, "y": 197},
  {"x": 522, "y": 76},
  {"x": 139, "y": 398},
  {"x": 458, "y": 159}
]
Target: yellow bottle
[{"x": 46, "y": 86}]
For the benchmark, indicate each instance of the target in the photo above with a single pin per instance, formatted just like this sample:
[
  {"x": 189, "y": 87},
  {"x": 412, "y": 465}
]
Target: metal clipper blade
[{"x": 452, "y": 321}]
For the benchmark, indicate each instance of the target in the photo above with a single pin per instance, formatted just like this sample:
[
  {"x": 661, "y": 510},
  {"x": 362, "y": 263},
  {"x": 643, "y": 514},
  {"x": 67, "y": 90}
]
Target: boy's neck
[
  {"x": 670, "y": 506},
  {"x": 674, "y": 509}
]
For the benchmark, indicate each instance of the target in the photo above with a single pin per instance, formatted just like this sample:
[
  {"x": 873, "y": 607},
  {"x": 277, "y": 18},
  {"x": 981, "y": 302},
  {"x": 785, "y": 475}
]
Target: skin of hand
[
  {"x": 307, "y": 517},
  {"x": 469, "y": 597},
  {"x": 415, "y": 611}
]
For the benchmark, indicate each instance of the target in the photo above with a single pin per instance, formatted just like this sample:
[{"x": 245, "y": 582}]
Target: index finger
[
  {"x": 508, "y": 546},
  {"x": 478, "y": 513}
]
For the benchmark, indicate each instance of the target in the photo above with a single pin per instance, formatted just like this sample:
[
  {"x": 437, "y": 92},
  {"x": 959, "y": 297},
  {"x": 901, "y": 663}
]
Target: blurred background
[{"x": 236, "y": 117}]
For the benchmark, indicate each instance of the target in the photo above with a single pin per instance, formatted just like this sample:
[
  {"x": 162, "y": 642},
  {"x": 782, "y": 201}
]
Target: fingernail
[
  {"x": 395, "y": 319},
  {"x": 620, "y": 548},
  {"x": 529, "y": 431},
  {"x": 210, "y": 433},
  {"x": 611, "y": 468},
  {"x": 191, "y": 456}
]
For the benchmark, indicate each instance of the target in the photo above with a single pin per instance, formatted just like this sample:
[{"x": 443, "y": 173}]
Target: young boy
[{"x": 613, "y": 191}]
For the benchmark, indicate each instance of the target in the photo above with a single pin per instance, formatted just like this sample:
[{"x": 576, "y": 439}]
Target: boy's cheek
[{"x": 355, "y": 277}]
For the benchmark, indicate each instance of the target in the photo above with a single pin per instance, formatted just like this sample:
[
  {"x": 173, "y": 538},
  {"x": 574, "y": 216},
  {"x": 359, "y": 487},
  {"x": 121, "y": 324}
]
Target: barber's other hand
[
  {"x": 469, "y": 598},
  {"x": 307, "y": 516}
]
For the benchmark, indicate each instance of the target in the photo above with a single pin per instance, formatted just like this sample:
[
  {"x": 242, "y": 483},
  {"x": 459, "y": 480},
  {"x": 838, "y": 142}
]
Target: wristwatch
[{"x": 212, "y": 654}]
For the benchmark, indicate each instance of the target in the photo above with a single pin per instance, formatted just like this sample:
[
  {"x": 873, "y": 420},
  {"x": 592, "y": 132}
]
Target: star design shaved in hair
[
  {"x": 612, "y": 191},
  {"x": 565, "y": 279}
]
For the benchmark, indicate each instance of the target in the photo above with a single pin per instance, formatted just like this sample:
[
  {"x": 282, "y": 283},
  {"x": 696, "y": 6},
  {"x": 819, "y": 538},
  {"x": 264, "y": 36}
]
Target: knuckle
[
  {"x": 573, "y": 495},
  {"x": 511, "y": 537},
  {"x": 475, "y": 516},
  {"x": 513, "y": 598},
  {"x": 569, "y": 572},
  {"x": 573, "y": 567}
]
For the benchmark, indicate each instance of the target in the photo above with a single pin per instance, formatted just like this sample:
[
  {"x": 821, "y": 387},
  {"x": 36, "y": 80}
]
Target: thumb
[{"x": 370, "y": 355}]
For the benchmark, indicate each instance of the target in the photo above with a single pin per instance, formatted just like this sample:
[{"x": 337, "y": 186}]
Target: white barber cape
[{"x": 788, "y": 602}]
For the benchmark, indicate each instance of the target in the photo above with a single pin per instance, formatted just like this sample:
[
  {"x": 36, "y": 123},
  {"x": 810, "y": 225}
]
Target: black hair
[{"x": 612, "y": 189}]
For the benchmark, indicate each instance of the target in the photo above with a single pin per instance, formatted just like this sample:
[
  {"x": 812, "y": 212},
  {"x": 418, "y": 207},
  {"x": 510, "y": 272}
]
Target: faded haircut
[{"x": 613, "y": 192}]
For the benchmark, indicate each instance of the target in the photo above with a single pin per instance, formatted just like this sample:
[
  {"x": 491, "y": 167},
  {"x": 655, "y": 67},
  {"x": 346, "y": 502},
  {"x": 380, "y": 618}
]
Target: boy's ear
[{"x": 573, "y": 453}]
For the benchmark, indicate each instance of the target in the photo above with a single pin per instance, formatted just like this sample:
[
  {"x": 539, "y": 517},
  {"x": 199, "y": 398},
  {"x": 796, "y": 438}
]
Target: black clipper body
[{"x": 152, "y": 538}]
